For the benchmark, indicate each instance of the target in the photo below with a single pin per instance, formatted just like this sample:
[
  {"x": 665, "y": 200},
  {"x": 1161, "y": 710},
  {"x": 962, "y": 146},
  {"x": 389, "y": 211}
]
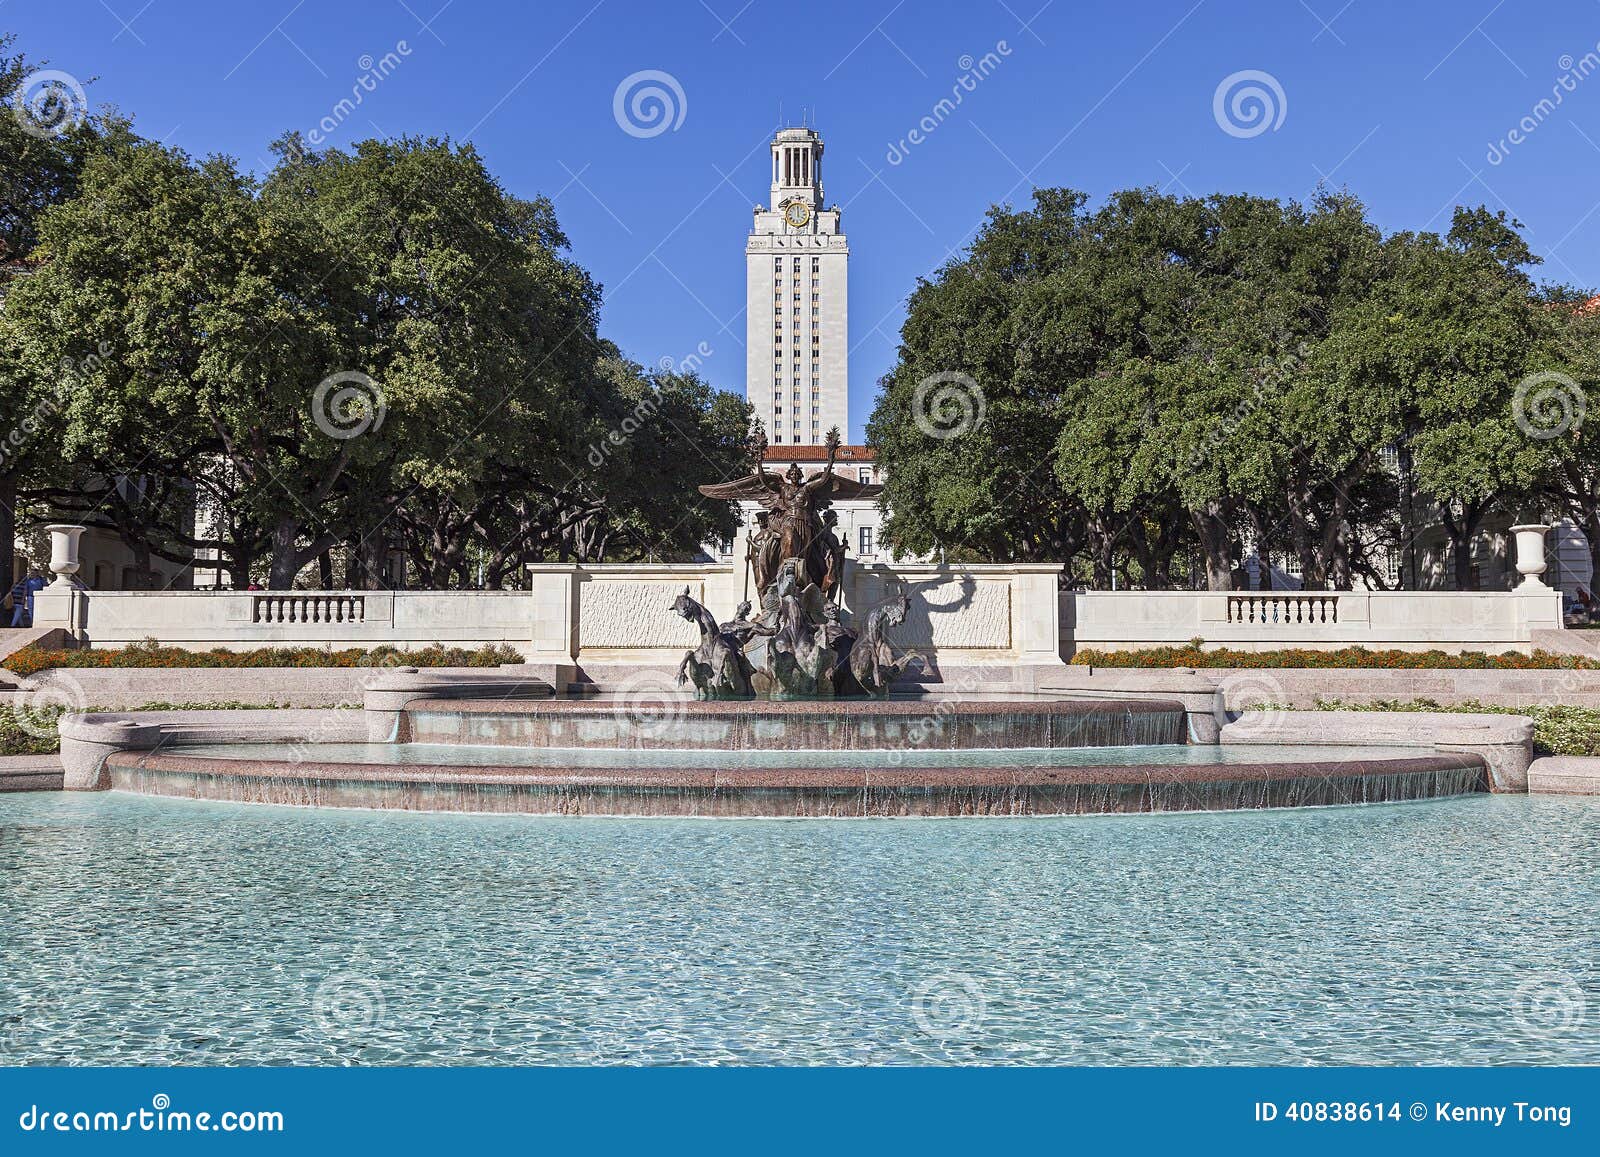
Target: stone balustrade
[
  {"x": 308, "y": 607},
  {"x": 999, "y": 618},
  {"x": 1319, "y": 620},
  {"x": 243, "y": 620},
  {"x": 605, "y": 620}
]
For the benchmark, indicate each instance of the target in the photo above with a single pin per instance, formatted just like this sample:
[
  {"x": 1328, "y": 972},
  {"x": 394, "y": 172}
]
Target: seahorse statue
[
  {"x": 717, "y": 667},
  {"x": 872, "y": 660}
]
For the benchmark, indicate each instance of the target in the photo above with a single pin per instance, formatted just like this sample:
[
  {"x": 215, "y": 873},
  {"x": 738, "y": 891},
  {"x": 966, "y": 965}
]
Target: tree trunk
[
  {"x": 1212, "y": 529},
  {"x": 373, "y": 550},
  {"x": 285, "y": 564},
  {"x": 1408, "y": 521},
  {"x": 1461, "y": 535},
  {"x": 8, "y": 528},
  {"x": 142, "y": 574}
]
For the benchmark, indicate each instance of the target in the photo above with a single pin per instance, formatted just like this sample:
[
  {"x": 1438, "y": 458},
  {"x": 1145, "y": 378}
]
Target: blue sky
[{"x": 1400, "y": 103}]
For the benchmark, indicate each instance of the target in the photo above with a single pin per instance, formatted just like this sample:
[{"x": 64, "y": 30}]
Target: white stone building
[{"x": 797, "y": 338}]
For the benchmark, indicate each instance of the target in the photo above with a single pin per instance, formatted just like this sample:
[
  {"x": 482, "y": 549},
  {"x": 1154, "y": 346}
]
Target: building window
[
  {"x": 816, "y": 264},
  {"x": 777, "y": 264},
  {"x": 864, "y": 475},
  {"x": 866, "y": 540}
]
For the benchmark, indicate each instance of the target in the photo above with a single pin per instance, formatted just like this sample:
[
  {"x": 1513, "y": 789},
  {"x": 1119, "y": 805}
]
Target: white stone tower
[{"x": 797, "y": 327}]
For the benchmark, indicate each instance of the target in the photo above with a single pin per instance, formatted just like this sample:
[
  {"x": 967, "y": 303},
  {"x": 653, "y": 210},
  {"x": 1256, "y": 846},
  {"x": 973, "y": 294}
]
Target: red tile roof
[{"x": 817, "y": 454}]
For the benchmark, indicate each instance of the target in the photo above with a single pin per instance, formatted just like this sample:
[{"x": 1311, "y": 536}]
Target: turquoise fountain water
[{"x": 140, "y": 931}]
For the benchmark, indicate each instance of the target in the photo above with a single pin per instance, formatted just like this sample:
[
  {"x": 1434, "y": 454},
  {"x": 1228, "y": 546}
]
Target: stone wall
[
  {"x": 604, "y": 620},
  {"x": 1320, "y": 620},
  {"x": 1002, "y": 617},
  {"x": 243, "y": 620}
]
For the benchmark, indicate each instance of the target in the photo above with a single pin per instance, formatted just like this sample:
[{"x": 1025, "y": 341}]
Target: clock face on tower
[{"x": 796, "y": 213}]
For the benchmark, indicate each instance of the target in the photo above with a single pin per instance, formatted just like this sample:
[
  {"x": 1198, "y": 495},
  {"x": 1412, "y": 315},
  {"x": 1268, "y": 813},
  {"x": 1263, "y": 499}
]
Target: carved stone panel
[{"x": 635, "y": 614}]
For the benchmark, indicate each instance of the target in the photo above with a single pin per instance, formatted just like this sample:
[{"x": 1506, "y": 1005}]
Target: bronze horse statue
[
  {"x": 717, "y": 667},
  {"x": 872, "y": 660}
]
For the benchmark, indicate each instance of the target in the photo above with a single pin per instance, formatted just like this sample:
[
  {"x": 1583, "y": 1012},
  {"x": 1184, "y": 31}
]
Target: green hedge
[
  {"x": 1193, "y": 654},
  {"x": 31, "y": 660},
  {"x": 32, "y": 730},
  {"x": 1557, "y": 729}
]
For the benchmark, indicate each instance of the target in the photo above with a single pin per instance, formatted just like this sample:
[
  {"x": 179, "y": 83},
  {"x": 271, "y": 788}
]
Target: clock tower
[{"x": 797, "y": 332}]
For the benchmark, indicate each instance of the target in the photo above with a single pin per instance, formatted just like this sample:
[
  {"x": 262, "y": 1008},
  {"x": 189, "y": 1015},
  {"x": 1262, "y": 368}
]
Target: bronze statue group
[{"x": 799, "y": 645}]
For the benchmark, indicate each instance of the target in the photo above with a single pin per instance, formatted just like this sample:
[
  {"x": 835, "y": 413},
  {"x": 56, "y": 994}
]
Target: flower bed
[
  {"x": 1193, "y": 654},
  {"x": 31, "y": 660}
]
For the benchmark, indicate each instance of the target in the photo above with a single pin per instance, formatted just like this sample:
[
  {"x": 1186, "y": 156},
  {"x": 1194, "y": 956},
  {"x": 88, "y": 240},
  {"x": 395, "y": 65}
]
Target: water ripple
[{"x": 147, "y": 931}]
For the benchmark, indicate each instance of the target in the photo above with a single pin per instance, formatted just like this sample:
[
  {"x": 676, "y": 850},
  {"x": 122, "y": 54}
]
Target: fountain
[{"x": 793, "y": 712}]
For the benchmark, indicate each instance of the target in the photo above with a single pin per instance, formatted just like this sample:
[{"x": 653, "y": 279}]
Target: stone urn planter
[
  {"x": 64, "y": 553},
  {"x": 1531, "y": 562}
]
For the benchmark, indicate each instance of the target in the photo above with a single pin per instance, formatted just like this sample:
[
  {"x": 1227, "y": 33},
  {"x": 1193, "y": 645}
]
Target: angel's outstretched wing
[
  {"x": 843, "y": 489},
  {"x": 746, "y": 489}
]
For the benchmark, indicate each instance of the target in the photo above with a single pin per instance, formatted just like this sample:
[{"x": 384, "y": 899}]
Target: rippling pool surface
[{"x": 141, "y": 931}]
